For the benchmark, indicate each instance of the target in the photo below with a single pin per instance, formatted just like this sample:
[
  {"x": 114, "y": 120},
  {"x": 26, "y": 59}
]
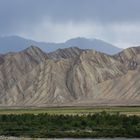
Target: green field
[
  {"x": 93, "y": 122},
  {"x": 73, "y": 110}
]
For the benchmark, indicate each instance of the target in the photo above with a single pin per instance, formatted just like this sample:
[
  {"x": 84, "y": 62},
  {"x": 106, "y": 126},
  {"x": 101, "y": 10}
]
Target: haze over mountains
[
  {"x": 69, "y": 77},
  {"x": 16, "y": 43}
]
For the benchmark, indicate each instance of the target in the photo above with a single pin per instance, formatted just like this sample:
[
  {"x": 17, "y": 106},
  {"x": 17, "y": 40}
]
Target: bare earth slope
[{"x": 69, "y": 77}]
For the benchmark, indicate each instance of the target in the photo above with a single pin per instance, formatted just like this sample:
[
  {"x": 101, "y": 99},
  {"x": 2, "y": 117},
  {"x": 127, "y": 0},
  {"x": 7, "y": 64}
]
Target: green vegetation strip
[
  {"x": 79, "y": 126},
  {"x": 73, "y": 110}
]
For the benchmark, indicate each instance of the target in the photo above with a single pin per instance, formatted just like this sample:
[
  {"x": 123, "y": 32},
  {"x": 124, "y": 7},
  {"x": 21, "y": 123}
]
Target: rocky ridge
[{"x": 69, "y": 77}]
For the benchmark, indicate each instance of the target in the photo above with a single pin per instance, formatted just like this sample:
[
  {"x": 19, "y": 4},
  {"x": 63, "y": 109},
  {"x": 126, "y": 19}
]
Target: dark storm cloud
[
  {"x": 14, "y": 13},
  {"x": 58, "y": 20}
]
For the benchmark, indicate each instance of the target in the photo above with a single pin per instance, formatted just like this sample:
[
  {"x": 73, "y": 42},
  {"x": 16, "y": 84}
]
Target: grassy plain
[
  {"x": 129, "y": 110},
  {"x": 63, "y": 122}
]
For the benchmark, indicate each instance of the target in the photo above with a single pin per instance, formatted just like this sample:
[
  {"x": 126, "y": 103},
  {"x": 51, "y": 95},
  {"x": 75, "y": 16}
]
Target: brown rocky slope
[{"x": 69, "y": 77}]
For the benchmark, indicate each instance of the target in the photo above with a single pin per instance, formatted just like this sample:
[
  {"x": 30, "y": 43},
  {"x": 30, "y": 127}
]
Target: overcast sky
[{"x": 114, "y": 21}]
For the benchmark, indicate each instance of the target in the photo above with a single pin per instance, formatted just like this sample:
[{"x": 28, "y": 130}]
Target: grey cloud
[
  {"x": 25, "y": 16},
  {"x": 26, "y": 11}
]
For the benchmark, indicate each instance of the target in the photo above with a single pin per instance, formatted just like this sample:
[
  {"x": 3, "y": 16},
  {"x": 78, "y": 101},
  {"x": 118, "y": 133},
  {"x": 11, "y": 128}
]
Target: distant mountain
[
  {"x": 96, "y": 44},
  {"x": 16, "y": 43}
]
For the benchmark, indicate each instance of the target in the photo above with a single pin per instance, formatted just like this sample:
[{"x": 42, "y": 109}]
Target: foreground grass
[
  {"x": 73, "y": 126},
  {"x": 74, "y": 110}
]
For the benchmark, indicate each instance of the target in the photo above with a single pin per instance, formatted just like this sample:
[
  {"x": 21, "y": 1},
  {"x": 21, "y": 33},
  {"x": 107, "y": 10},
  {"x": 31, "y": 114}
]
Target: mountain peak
[
  {"x": 65, "y": 53},
  {"x": 129, "y": 52},
  {"x": 33, "y": 49},
  {"x": 77, "y": 39},
  {"x": 96, "y": 44}
]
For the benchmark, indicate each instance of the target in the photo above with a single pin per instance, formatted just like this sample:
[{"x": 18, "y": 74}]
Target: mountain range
[
  {"x": 69, "y": 77},
  {"x": 16, "y": 43}
]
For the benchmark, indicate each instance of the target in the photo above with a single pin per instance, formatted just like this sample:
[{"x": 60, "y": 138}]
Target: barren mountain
[
  {"x": 66, "y": 53},
  {"x": 69, "y": 77}
]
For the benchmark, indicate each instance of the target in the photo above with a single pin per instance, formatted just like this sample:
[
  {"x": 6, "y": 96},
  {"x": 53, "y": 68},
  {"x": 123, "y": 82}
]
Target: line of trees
[{"x": 95, "y": 125}]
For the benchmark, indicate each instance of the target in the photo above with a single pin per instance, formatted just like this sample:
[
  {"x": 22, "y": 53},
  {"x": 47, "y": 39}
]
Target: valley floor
[{"x": 128, "y": 110}]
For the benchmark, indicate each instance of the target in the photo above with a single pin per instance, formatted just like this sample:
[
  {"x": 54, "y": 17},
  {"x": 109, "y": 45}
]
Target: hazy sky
[{"x": 115, "y": 21}]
